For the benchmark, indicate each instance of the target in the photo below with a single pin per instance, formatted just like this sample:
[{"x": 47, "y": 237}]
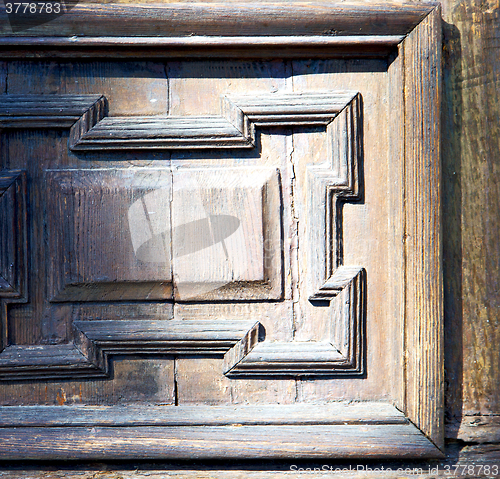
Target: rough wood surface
[
  {"x": 471, "y": 222},
  {"x": 204, "y": 442}
]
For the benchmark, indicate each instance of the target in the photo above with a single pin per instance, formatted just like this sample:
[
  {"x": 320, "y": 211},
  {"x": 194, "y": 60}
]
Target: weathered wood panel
[{"x": 195, "y": 88}]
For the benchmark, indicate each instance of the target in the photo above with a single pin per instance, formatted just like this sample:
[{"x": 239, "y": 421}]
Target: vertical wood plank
[
  {"x": 424, "y": 296},
  {"x": 471, "y": 201}
]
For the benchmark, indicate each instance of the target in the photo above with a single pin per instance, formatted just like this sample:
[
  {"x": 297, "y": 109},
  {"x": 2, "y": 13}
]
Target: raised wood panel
[
  {"x": 109, "y": 234},
  {"x": 13, "y": 247},
  {"x": 236, "y": 212}
]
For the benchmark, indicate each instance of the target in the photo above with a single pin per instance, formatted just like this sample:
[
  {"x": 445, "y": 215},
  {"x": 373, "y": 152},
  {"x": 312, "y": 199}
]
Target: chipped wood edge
[{"x": 423, "y": 269}]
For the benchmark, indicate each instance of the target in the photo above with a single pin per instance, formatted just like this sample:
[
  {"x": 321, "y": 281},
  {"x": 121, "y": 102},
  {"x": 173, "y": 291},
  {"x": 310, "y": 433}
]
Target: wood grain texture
[
  {"x": 423, "y": 282},
  {"x": 210, "y": 442},
  {"x": 198, "y": 379},
  {"x": 201, "y": 415},
  {"x": 219, "y": 19}
]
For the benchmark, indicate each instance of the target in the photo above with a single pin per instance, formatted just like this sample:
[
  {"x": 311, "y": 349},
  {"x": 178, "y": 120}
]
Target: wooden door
[{"x": 221, "y": 239}]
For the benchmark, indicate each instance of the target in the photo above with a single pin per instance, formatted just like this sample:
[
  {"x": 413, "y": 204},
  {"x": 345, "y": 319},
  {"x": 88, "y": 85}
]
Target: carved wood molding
[
  {"x": 235, "y": 128},
  {"x": 255, "y": 30},
  {"x": 343, "y": 355},
  {"x": 95, "y": 340},
  {"x": 52, "y": 111},
  {"x": 417, "y": 82},
  {"x": 337, "y": 180}
]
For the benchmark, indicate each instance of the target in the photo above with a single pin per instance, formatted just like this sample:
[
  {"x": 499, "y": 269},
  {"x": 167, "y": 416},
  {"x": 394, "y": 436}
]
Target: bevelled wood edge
[
  {"x": 51, "y": 111},
  {"x": 167, "y": 337},
  {"x": 361, "y": 413},
  {"x": 94, "y": 341},
  {"x": 222, "y": 19},
  {"x": 47, "y": 361},
  {"x": 339, "y": 441},
  {"x": 235, "y": 128},
  {"x": 423, "y": 269},
  {"x": 309, "y": 358}
]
